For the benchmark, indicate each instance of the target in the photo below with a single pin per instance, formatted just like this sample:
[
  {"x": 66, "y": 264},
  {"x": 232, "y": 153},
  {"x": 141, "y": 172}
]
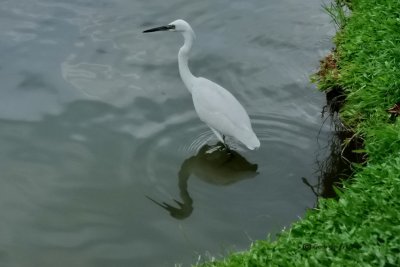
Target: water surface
[{"x": 96, "y": 128}]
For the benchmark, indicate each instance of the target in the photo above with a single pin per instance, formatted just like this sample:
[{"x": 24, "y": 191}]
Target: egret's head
[{"x": 178, "y": 25}]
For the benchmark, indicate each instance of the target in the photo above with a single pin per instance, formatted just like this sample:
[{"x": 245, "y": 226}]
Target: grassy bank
[{"x": 362, "y": 227}]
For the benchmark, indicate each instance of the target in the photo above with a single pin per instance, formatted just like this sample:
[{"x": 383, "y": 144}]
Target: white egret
[{"x": 214, "y": 105}]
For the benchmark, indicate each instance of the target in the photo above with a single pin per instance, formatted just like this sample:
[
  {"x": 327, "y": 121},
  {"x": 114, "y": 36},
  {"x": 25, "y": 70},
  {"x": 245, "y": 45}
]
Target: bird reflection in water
[{"x": 212, "y": 164}]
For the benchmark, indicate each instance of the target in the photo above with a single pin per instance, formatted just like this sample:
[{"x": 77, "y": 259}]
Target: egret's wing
[
  {"x": 219, "y": 109},
  {"x": 215, "y": 105}
]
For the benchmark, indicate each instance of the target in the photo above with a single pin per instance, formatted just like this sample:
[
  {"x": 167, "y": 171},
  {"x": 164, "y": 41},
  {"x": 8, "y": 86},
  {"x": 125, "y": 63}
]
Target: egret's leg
[
  {"x": 223, "y": 138},
  {"x": 225, "y": 144},
  {"x": 219, "y": 136}
]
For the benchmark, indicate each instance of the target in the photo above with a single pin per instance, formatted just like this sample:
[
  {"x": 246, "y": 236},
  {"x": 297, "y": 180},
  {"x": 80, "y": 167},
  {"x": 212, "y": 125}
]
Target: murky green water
[{"x": 96, "y": 128}]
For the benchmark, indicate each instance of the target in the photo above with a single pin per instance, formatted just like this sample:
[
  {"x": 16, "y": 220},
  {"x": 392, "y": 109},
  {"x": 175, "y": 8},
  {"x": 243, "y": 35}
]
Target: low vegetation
[{"x": 362, "y": 226}]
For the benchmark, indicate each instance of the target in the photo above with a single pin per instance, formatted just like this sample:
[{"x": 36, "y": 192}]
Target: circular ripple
[
  {"x": 182, "y": 136},
  {"x": 202, "y": 135},
  {"x": 282, "y": 129},
  {"x": 161, "y": 153}
]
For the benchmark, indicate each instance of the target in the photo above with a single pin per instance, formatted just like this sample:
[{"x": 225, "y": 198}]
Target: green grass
[{"x": 362, "y": 227}]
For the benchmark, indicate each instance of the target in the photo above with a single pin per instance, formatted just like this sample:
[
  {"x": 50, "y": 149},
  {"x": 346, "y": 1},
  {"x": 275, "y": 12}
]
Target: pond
[{"x": 104, "y": 161}]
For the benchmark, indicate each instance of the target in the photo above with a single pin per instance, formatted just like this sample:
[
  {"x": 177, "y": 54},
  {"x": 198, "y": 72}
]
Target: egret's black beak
[{"x": 162, "y": 28}]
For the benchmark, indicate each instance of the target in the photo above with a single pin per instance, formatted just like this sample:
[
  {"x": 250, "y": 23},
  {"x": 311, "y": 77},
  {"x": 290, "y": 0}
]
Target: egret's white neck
[{"x": 183, "y": 55}]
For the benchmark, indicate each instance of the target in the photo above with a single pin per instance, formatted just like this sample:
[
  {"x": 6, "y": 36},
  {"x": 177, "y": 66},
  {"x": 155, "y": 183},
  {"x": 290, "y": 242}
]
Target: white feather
[{"x": 215, "y": 105}]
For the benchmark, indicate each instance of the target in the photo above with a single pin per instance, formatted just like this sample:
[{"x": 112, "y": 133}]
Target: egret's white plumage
[{"x": 214, "y": 105}]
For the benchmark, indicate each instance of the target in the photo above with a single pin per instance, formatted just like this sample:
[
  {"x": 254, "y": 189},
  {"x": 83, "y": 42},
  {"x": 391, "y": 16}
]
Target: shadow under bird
[
  {"x": 214, "y": 105},
  {"x": 212, "y": 165}
]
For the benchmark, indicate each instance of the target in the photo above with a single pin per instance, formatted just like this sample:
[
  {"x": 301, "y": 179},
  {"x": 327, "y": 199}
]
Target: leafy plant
[{"x": 338, "y": 10}]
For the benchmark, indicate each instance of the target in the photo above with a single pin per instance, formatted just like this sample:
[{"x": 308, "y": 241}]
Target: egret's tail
[
  {"x": 253, "y": 144},
  {"x": 250, "y": 140}
]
